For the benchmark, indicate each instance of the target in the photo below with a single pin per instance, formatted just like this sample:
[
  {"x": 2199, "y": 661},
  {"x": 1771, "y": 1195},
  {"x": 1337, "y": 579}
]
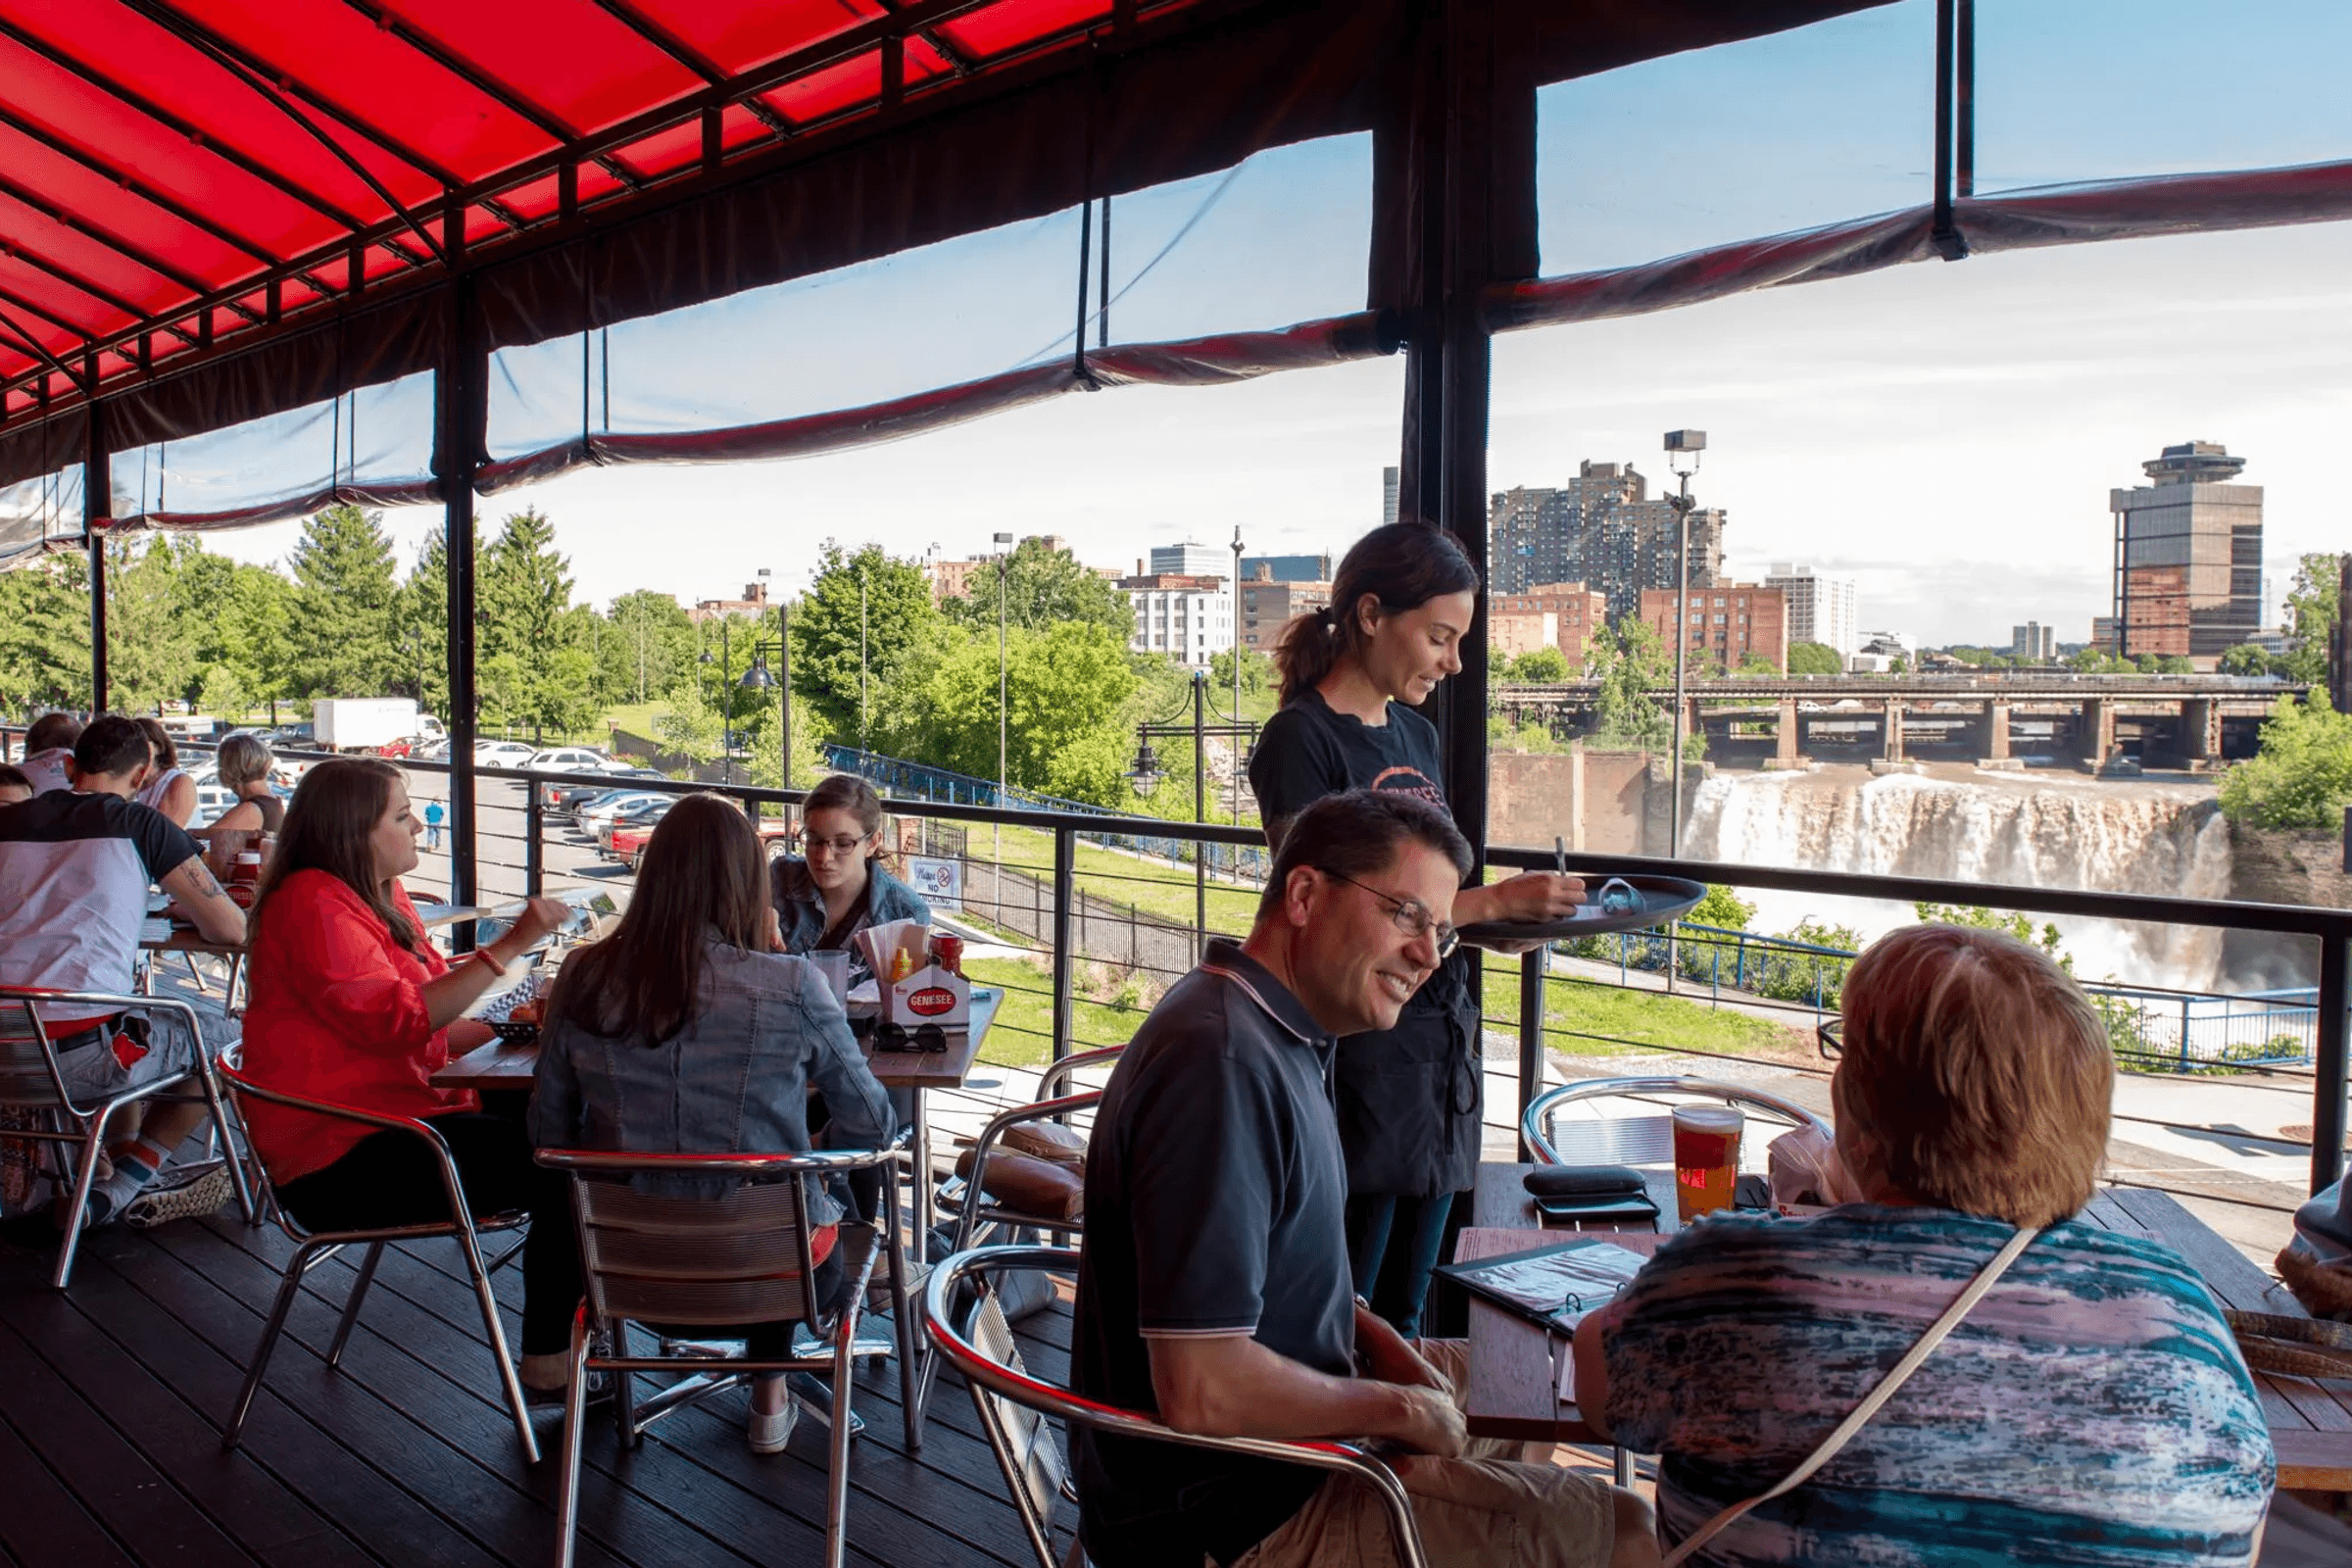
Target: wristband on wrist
[{"x": 483, "y": 956}]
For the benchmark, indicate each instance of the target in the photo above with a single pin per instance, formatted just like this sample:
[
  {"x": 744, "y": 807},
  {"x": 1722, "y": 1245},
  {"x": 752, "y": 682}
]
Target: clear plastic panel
[
  {"x": 2096, "y": 89},
  {"x": 1808, "y": 126},
  {"x": 1278, "y": 239},
  {"x": 1946, "y": 438},
  {"x": 374, "y": 435},
  {"x": 31, "y": 511}
]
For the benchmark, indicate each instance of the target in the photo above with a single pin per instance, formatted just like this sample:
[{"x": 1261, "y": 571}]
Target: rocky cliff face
[{"x": 2271, "y": 865}]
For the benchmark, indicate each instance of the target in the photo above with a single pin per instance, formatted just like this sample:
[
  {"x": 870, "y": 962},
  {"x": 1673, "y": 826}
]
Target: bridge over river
[{"x": 2191, "y": 721}]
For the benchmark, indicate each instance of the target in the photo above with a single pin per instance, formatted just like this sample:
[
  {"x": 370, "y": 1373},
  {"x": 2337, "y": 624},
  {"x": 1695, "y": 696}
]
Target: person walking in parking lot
[{"x": 432, "y": 824}]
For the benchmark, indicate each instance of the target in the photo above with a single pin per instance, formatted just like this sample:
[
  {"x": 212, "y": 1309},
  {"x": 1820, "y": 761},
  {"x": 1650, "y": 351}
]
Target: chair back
[
  {"x": 1646, "y": 1139},
  {"x": 714, "y": 1240},
  {"x": 29, "y": 1076},
  {"x": 1000, "y": 1384}
]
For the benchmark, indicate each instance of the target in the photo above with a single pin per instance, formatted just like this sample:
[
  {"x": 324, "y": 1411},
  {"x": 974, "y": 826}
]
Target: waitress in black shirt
[{"x": 1408, "y": 1099}]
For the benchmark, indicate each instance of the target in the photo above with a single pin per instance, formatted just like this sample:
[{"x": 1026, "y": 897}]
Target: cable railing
[{"x": 2205, "y": 1031}]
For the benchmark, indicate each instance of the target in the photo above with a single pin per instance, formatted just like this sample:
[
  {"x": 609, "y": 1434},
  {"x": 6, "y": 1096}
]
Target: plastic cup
[
  {"x": 1707, "y": 1158},
  {"x": 834, "y": 966}
]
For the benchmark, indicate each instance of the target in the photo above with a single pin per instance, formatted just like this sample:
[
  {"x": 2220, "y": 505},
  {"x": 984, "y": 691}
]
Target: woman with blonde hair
[{"x": 2089, "y": 1406}]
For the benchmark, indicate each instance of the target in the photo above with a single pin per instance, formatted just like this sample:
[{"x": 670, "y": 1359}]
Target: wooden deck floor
[{"x": 112, "y": 1396}]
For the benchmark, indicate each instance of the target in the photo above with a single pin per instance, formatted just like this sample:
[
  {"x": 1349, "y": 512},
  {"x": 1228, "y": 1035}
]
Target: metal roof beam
[
  {"x": 196, "y": 35},
  {"x": 466, "y": 71},
  {"x": 27, "y": 340},
  {"x": 129, "y": 251},
  {"x": 179, "y": 126}
]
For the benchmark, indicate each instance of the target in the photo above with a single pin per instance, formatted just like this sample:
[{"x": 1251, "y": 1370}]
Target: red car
[{"x": 628, "y": 843}]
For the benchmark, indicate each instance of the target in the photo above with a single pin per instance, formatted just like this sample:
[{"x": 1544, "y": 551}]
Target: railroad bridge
[{"x": 2192, "y": 721}]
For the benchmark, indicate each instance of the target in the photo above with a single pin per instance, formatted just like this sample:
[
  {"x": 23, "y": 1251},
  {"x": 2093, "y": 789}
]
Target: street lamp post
[
  {"x": 1683, "y": 449},
  {"x": 1146, "y": 776},
  {"x": 861, "y": 733},
  {"x": 758, "y": 679},
  {"x": 1236, "y": 657},
  {"x": 1004, "y": 544}
]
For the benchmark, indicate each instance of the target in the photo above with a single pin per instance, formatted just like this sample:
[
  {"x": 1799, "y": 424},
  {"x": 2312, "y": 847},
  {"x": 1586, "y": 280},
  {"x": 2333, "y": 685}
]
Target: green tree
[
  {"x": 1043, "y": 588},
  {"x": 1722, "y": 907},
  {"x": 2311, "y": 616},
  {"x": 420, "y": 629},
  {"x": 1755, "y": 666},
  {"x": 1257, "y": 673},
  {"x": 649, "y": 644},
  {"x": 2008, "y": 921},
  {"x": 2302, "y": 777},
  {"x": 2246, "y": 659},
  {"x": 150, "y": 637},
  {"x": 45, "y": 635},
  {"x": 1067, "y": 693},
  {"x": 1538, "y": 667},
  {"x": 535, "y": 671},
  {"x": 901, "y": 628},
  {"x": 341, "y": 620},
  {"x": 1813, "y": 658},
  {"x": 1630, "y": 661}
]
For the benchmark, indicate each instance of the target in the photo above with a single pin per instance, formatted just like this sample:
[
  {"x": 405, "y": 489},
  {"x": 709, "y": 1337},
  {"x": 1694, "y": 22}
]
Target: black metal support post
[
  {"x": 1066, "y": 902},
  {"x": 534, "y": 828},
  {"x": 784, "y": 694},
  {"x": 2334, "y": 1066},
  {"x": 1964, "y": 114},
  {"x": 1531, "y": 1038},
  {"x": 462, "y": 409},
  {"x": 97, "y": 496},
  {"x": 1200, "y": 815},
  {"x": 1945, "y": 233}
]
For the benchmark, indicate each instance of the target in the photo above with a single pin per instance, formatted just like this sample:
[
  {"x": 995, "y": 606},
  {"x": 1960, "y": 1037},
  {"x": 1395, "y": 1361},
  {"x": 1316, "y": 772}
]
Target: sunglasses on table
[{"x": 1411, "y": 915}]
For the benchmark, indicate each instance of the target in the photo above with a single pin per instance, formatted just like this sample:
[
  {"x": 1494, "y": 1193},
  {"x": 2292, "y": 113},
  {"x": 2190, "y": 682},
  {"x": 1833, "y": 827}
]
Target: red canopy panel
[{"x": 165, "y": 159}]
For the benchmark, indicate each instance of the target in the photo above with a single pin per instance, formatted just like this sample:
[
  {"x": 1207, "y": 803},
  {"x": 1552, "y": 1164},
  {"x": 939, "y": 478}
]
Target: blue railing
[{"x": 897, "y": 778}]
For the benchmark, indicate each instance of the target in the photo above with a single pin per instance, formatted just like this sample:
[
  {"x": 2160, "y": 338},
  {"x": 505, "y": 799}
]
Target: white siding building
[
  {"x": 1188, "y": 618},
  {"x": 1189, "y": 560},
  {"x": 1821, "y": 609}
]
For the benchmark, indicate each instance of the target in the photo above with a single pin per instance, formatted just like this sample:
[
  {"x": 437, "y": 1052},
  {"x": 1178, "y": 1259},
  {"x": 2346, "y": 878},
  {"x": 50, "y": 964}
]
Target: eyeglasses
[
  {"x": 1829, "y": 1036},
  {"x": 1411, "y": 915},
  {"x": 846, "y": 844}
]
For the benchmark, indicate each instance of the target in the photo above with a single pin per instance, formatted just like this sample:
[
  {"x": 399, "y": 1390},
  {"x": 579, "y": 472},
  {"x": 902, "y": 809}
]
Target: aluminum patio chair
[
  {"x": 314, "y": 1248},
  {"x": 677, "y": 1262},
  {"x": 31, "y": 1081},
  {"x": 1640, "y": 1138},
  {"x": 1013, "y": 1407}
]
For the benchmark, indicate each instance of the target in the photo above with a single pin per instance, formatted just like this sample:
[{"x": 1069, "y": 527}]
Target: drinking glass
[{"x": 1707, "y": 1158}]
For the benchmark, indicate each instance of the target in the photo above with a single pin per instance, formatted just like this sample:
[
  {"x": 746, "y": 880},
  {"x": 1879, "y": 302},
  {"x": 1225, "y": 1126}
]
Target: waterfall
[{"x": 2021, "y": 830}]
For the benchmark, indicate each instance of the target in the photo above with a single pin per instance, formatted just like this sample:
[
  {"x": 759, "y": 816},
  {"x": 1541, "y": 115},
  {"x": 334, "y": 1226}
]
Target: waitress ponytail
[{"x": 1401, "y": 567}]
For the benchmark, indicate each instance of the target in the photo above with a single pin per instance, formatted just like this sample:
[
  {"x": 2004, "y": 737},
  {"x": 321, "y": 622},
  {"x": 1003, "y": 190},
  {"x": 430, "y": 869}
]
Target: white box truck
[{"x": 362, "y": 723}]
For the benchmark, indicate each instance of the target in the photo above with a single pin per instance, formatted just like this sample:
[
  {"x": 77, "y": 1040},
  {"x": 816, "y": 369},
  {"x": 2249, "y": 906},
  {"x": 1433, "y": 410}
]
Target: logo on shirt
[{"x": 1409, "y": 780}]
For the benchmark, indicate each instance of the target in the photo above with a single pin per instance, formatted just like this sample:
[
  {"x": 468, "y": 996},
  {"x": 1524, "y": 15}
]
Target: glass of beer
[{"x": 1707, "y": 1158}]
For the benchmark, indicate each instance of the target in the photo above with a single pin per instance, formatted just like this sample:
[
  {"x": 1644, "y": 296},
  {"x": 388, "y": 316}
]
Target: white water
[{"x": 2113, "y": 836}]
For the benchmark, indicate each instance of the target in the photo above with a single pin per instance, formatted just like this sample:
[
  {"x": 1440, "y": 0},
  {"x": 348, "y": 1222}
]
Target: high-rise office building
[
  {"x": 2033, "y": 641},
  {"x": 2188, "y": 557},
  {"x": 1285, "y": 568},
  {"x": 1189, "y": 560},
  {"x": 1821, "y": 609},
  {"x": 1602, "y": 528}
]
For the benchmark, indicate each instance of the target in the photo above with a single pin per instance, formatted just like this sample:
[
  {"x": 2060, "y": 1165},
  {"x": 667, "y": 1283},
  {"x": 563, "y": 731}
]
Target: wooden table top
[
  {"x": 499, "y": 1067},
  {"x": 1513, "y": 1377}
]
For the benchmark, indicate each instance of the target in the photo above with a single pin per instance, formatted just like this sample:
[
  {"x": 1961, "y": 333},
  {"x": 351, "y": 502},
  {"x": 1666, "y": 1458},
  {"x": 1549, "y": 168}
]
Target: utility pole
[
  {"x": 1682, "y": 447},
  {"x": 2340, "y": 641},
  {"x": 1236, "y": 657},
  {"x": 1004, "y": 544},
  {"x": 861, "y": 732}
]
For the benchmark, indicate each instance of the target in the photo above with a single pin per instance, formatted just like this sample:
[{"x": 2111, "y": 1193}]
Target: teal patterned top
[{"x": 2092, "y": 1409}]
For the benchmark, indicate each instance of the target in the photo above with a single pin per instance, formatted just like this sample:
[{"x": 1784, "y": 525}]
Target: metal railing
[{"x": 2331, "y": 998}]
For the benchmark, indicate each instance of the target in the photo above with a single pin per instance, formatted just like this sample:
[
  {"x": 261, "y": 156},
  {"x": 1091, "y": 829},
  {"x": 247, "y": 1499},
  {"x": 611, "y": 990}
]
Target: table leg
[{"x": 919, "y": 1200}]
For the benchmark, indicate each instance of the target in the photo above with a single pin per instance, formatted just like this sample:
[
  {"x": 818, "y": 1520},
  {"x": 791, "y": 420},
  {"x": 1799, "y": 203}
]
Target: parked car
[
  {"x": 569, "y": 760},
  {"x": 623, "y": 839},
  {"x": 568, "y": 799},
  {"x": 501, "y": 754},
  {"x": 598, "y": 814}
]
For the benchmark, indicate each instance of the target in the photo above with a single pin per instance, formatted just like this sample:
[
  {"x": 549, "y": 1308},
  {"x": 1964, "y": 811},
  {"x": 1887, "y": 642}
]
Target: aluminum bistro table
[
  {"x": 1513, "y": 1374},
  {"x": 498, "y": 1066}
]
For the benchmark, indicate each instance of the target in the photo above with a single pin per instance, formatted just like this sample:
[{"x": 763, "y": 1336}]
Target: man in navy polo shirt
[{"x": 1214, "y": 1290}]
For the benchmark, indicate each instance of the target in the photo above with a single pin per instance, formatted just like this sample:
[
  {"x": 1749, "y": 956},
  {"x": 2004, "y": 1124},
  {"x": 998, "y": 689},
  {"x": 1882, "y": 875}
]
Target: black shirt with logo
[{"x": 1409, "y": 1098}]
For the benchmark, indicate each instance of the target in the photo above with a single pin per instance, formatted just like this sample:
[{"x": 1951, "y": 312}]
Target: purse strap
[{"x": 1986, "y": 1279}]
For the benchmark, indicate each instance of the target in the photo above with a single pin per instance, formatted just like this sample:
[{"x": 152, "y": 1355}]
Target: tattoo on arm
[{"x": 200, "y": 878}]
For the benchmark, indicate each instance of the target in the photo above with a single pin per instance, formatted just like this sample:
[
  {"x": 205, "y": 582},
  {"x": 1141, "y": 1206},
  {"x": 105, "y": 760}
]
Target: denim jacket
[
  {"x": 764, "y": 1030},
  {"x": 801, "y": 907}
]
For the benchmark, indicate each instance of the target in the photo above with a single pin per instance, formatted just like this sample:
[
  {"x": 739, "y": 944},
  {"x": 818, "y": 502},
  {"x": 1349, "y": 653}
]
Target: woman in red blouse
[{"x": 352, "y": 1005}]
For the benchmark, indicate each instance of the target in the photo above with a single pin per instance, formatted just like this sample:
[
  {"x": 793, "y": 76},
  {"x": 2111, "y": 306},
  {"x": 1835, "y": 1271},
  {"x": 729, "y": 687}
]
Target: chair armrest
[
  {"x": 453, "y": 1186},
  {"x": 630, "y": 1161},
  {"x": 986, "y": 1144},
  {"x": 1056, "y": 1071}
]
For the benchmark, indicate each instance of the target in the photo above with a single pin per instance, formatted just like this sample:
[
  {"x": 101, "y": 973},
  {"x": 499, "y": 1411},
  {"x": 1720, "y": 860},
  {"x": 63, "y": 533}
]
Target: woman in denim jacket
[
  {"x": 843, "y": 886},
  {"x": 688, "y": 1030}
]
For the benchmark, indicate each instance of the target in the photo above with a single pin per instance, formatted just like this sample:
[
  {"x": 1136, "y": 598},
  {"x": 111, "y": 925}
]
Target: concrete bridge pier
[
  {"x": 1789, "y": 750},
  {"x": 1891, "y": 731},
  {"x": 1993, "y": 734},
  {"x": 2201, "y": 731},
  {"x": 2097, "y": 734}
]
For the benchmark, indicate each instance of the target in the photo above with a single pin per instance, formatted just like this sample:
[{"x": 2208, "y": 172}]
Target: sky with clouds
[{"x": 1944, "y": 435}]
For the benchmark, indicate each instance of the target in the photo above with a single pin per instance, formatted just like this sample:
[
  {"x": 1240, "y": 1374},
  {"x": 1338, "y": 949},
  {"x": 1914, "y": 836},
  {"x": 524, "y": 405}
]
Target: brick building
[
  {"x": 1578, "y": 613},
  {"x": 1729, "y": 621},
  {"x": 1267, "y": 604}
]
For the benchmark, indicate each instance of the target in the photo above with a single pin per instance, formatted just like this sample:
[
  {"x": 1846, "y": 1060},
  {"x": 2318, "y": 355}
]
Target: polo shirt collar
[{"x": 1226, "y": 959}]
